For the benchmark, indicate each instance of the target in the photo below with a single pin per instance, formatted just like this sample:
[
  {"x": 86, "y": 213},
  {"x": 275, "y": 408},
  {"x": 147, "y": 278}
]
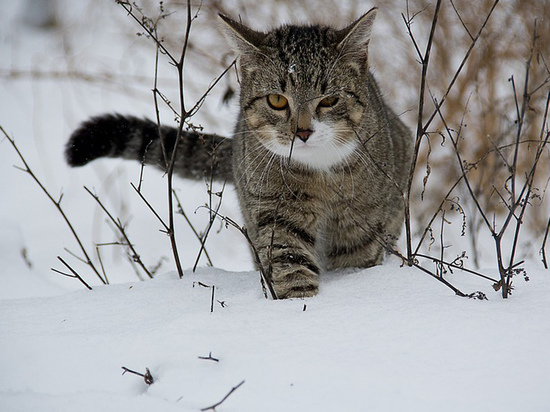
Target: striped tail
[{"x": 199, "y": 155}]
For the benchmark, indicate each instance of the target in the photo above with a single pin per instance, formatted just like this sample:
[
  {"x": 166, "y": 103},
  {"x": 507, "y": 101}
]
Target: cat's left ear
[
  {"x": 353, "y": 41},
  {"x": 241, "y": 38}
]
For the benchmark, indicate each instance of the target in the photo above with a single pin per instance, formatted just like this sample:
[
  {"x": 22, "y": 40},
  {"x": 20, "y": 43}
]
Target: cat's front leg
[{"x": 285, "y": 243}]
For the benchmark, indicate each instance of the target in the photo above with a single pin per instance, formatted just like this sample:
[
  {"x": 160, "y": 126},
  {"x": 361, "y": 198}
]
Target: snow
[
  {"x": 384, "y": 339},
  {"x": 380, "y": 339}
]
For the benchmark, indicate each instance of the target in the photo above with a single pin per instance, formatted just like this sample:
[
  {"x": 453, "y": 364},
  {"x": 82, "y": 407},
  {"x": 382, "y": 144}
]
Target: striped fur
[{"x": 128, "y": 137}]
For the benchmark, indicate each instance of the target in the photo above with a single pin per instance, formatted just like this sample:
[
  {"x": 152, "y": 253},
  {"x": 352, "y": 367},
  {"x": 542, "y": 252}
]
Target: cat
[{"x": 318, "y": 160}]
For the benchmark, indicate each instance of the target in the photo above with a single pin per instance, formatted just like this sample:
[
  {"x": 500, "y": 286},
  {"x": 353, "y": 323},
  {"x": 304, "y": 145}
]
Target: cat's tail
[{"x": 199, "y": 155}]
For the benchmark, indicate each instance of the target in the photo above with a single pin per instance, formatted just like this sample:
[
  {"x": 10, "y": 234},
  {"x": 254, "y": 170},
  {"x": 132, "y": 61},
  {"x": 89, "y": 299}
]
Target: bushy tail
[{"x": 128, "y": 137}]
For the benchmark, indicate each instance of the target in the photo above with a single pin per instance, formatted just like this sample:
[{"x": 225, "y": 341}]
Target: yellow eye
[
  {"x": 328, "y": 101},
  {"x": 277, "y": 101}
]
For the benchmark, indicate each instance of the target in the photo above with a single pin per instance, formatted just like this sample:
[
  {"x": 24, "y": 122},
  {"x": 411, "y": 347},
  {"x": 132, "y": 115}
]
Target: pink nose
[{"x": 304, "y": 134}]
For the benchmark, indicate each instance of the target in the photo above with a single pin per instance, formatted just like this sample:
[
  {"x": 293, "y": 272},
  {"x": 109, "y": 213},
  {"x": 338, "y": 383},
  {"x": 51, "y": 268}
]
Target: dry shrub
[
  {"x": 482, "y": 105},
  {"x": 483, "y": 102}
]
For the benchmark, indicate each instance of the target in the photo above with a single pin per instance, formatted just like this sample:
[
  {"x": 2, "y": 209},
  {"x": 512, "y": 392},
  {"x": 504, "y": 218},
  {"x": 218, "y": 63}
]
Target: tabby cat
[{"x": 318, "y": 160}]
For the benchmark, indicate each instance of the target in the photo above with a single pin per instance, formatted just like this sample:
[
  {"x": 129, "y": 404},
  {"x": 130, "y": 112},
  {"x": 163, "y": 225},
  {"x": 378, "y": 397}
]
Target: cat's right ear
[{"x": 241, "y": 38}]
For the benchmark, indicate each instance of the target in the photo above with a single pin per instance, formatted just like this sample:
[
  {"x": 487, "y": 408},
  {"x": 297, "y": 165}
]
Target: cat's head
[{"x": 304, "y": 89}]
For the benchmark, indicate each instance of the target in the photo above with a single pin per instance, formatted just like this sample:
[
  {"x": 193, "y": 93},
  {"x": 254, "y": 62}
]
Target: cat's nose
[{"x": 303, "y": 134}]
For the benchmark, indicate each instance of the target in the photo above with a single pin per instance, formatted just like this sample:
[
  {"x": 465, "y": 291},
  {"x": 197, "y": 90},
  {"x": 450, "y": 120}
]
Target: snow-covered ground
[{"x": 384, "y": 339}]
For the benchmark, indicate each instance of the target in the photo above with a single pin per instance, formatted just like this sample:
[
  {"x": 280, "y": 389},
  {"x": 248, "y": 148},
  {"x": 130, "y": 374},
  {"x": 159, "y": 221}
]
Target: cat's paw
[{"x": 301, "y": 283}]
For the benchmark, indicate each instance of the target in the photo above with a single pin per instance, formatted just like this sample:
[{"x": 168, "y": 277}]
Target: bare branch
[
  {"x": 135, "y": 256},
  {"x": 57, "y": 204},
  {"x": 74, "y": 273},
  {"x": 213, "y": 407},
  {"x": 147, "y": 377}
]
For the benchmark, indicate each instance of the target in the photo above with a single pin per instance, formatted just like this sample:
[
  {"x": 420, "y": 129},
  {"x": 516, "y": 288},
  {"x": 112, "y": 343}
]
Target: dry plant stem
[
  {"x": 454, "y": 266},
  {"x": 57, "y": 204},
  {"x": 265, "y": 277},
  {"x": 213, "y": 214},
  {"x": 415, "y": 264},
  {"x": 524, "y": 105},
  {"x": 441, "y": 268},
  {"x": 135, "y": 256},
  {"x": 74, "y": 273},
  {"x": 126, "y": 5},
  {"x": 199, "y": 103},
  {"x": 101, "y": 264},
  {"x": 520, "y": 201},
  {"x": 420, "y": 130},
  {"x": 151, "y": 208},
  {"x": 197, "y": 235},
  {"x": 121, "y": 242},
  {"x": 183, "y": 115},
  {"x": 170, "y": 168},
  {"x": 147, "y": 377},
  {"x": 212, "y": 295},
  {"x": 423, "y": 127},
  {"x": 546, "y": 232},
  {"x": 543, "y": 246},
  {"x": 209, "y": 357},
  {"x": 461, "y": 66},
  {"x": 441, "y": 279},
  {"x": 213, "y": 407},
  {"x": 516, "y": 201},
  {"x": 434, "y": 216}
]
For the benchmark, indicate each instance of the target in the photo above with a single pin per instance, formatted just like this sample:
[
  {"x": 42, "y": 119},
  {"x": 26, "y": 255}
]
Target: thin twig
[
  {"x": 543, "y": 246},
  {"x": 135, "y": 256},
  {"x": 101, "y": 263},
  {"x": 209, "y": 357},
  {"x": 213, "y": 407},
  {"x": 462, "y": 64},
  {"x": 147, "y": 377},
  {"x": 455, "y": 266},
  {"x": 151, "y": 208},
  {"x": 213, "y": 214},
  {"x": 265, "y": 276},
  {"x": 420, "y": 129},
  {"x": 213, "y": 289},
  {"x": 57, "y": 204},
  {"x": 129, "y": 7},
  {"x": 197, "y": 235},
  {"x": 74, "y": 273}
]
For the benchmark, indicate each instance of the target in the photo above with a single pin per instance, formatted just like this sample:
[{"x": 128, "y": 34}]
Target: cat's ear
[
  {"x": 353, "y": 41},
  {"x": 241, "y": 38}
]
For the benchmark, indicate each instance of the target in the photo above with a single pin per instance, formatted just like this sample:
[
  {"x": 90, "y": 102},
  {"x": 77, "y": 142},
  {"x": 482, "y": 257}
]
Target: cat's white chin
[
  {"x": 320, "y": 152},
  {"x": 321, "y": 158}
]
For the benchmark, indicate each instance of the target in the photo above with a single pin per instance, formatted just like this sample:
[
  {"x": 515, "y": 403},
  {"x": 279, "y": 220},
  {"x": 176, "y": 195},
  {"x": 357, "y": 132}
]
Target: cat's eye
[
  {"x": 277, "y": 101},
  {"x": 329, "y": 101}
]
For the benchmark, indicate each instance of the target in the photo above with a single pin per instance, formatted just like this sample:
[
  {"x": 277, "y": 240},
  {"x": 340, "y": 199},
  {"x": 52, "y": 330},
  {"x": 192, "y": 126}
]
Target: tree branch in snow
[
  {"x": 213, "y": 407},
  {"x": 147, "y": 377},
  {"x": 57, "y": 203},
  {"x": 213, "y": 214},
  {"x": 200, "y": 238},
  {"x": 209, "y": 357},
  {"x": 73, "y": 274},
  {"x": 213, "y": 288},
  {"x": 503, "y": 210},
  {"x": 517, "y": 197},
  {"x": 422, "y": 127},
  {"x": 183, "y": 115},
  {"x": 120, "y": 227}
]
